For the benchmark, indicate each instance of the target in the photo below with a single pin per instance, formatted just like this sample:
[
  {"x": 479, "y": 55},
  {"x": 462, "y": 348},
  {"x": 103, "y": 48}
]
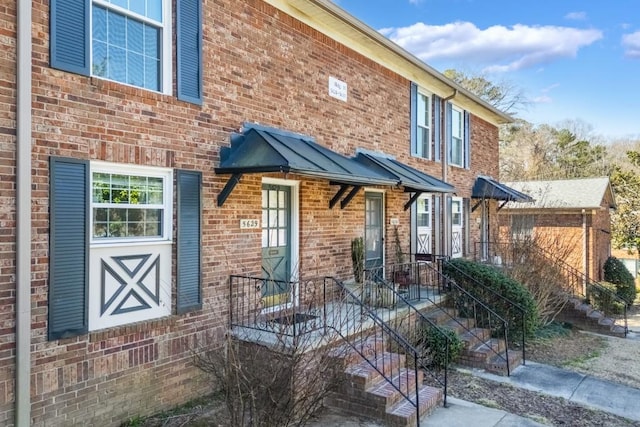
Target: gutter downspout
[
  {"x": 585, "y": 252},
  {"x": 446, "y": 236},
  {"x": 23, "y": 216}
]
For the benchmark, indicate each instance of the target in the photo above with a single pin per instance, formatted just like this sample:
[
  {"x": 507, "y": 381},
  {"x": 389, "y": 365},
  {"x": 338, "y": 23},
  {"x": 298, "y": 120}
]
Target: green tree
[
  {"x": 503, "y": 95},
  {"x": 625, "y": 181}
]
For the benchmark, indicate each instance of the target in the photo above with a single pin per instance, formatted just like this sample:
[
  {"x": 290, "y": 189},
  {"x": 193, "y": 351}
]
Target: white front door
[
  {"x": 423, "y": 225},
  {"x": 456, "y": 227}
]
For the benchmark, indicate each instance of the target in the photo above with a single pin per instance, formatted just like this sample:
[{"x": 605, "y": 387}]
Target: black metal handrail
[
  {"x": 468, "y": 305},
  {"x": 407, "y": 320},
  {"x": 250, "y": 308},
  {"x": 577, "y": 283},
  {"x": 521, "y": 311},
  {"x": 351, "y": 329},
  {"x": 425, "y": 273}
]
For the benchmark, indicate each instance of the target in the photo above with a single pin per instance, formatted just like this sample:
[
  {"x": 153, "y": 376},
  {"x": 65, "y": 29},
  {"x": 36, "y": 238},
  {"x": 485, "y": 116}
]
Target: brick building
[
  {"x": 147, "y": 153},
  {"x": 569, "y": 218}
]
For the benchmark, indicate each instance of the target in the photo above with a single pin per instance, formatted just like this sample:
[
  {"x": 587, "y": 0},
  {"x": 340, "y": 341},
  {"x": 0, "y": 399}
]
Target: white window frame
[
  {"x": 166, "y": 50},
  {"x": 457, "y": 134},
  {"x": 426, "y": 127},
  {"x": 134, "y": 170}
]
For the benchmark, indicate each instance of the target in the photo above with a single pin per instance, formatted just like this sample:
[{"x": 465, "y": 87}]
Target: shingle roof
[{"x": 584, "y": 193}]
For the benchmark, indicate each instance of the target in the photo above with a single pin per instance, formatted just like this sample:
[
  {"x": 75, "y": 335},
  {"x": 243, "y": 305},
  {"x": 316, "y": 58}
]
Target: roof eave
[{"x": 332, "y": 10}]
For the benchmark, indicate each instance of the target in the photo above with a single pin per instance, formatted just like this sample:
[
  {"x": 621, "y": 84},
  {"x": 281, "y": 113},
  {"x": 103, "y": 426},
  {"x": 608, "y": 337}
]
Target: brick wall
[{"x": 260, "y": 66}]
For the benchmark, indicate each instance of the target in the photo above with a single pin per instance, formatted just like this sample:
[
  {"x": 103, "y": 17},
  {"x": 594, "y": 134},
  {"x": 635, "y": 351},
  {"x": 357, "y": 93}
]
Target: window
[
  {"x": 456, "y": 213},
  {"x": 457, "y": 137},
  {"x": 522, "y": 226},
  {"x": 129, "y": 40},
  {"x": 129, "y": 206},
  {"x": 424, "y": 212},
  {"x": 423, "y": 127},
  {"x": 111, "y": 245},
  {"x": 423, "y": 116}
]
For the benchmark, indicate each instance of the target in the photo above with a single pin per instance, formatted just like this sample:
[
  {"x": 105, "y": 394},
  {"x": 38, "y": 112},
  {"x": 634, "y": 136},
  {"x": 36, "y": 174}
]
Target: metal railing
[
  {"x": 445, "y": 293},
  {"x": 489, "y": 297},
  {"x": 575, "y": 282},
  {"x": 326, "y": 305}
]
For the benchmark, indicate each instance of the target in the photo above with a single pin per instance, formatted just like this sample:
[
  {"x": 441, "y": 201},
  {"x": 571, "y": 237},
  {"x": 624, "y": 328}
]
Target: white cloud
[
  {"x": 576, "y": 16},
  {"x": 498, "y": 48},
  {"x": 631, "y": 43},
  {"x": 543, "y": 99}
]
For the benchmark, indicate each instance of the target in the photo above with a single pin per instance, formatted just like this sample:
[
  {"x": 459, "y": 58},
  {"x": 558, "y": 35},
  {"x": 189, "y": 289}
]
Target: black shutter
[
  {"x": 68, "y": 247},
  {"x": 70, "y": 35},
  {"x": 189, "y": 266},
  {"x": 189, "y": 50}
]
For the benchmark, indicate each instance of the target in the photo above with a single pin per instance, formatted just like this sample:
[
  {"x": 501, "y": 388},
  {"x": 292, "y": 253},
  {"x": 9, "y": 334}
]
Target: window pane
[
  {"x": 423, "y": 110},
  {"x": 423, "y": 142},
  {"x": 137, "y": 6},
  {"x": 456, "y": 151},
  {"x": 117, "y": 59},
  {"x": 282, "y": 236},
  {"x": 135, "y": 71},
  {"x": 116, "y": 30},
  {"x": 456, "y": 124},
  {"x": 282, "y": 218},
  {"x": 154, "y": 10},
  {"x": 100, "y": 63},
  {"x": 99, "y": 16},
  {"x": 265, "y": 238},
  {"x": 122, "y": 3},
  {"x": 135, "y": 36}
]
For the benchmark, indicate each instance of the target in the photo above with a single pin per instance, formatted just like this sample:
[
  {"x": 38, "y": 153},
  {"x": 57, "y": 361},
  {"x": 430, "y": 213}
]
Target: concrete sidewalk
[
  {"x": 583, "y": 389},
  {"x": 460, "y": 413}
]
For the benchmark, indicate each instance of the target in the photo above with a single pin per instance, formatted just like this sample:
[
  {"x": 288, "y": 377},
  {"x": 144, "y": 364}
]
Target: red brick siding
[{"x": 260, "y": 66}]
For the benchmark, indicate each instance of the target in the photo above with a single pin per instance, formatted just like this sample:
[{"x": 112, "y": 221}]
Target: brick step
[
  {"x": 345, "y": 355},
  {"x": 459, "y": 324},
  {"x": 403, "y": 414},
  {"x": 478, "y": 355},
  {"x": 363, "y": 373},
  {"x": 474, "y": 336},
  {"x": 440, "y": 315},
  {"x": 378, "y": 398},
  {"x": 497, "y": 364}
]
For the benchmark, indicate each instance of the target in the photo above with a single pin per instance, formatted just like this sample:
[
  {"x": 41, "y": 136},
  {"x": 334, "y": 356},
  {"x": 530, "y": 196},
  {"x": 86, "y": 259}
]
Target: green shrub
[
  {"x": 434, "y": 341},
  {"x": 488, "y": 284},
  {"x": 616, "y": 273},
  {"x": 601, "y": 298}
]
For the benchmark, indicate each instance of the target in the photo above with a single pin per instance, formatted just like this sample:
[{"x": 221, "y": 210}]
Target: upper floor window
[
  {"x": 423, "y": 128},
  {"x": 130, "y": 40},
  {"x": 457, "y": 137}
]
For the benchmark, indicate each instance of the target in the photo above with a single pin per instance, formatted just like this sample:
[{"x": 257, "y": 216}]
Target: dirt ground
[{"x": 604, "y": 357}]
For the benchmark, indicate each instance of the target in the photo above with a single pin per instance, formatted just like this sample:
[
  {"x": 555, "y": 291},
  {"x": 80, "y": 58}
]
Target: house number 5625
[{"x": 249, "y": 223}]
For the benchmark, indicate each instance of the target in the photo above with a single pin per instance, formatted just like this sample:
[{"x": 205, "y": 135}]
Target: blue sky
[{"x": 574, "y": 59}]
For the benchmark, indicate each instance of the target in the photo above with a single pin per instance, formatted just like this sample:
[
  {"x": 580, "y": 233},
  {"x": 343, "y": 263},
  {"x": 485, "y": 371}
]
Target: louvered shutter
[
  {"x": 68, "y": 247},
  {"x": 448, "y": 131},
  {"x": 70, "y": 35},
  {"x": 189, "y": 50},
  {"x": 467, "y": 141},
  {"x": 188, "y": 241}
]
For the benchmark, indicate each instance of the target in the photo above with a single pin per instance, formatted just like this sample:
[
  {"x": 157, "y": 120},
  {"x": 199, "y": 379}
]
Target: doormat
[{"x": 290, "y": 319}]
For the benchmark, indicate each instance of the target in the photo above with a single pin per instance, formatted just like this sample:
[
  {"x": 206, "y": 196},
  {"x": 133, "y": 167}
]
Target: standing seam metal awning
[
  {"x": 411, "y": 179},
  {"x": 488, "y": 188},
  {"x": 261, "y": 149}
]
